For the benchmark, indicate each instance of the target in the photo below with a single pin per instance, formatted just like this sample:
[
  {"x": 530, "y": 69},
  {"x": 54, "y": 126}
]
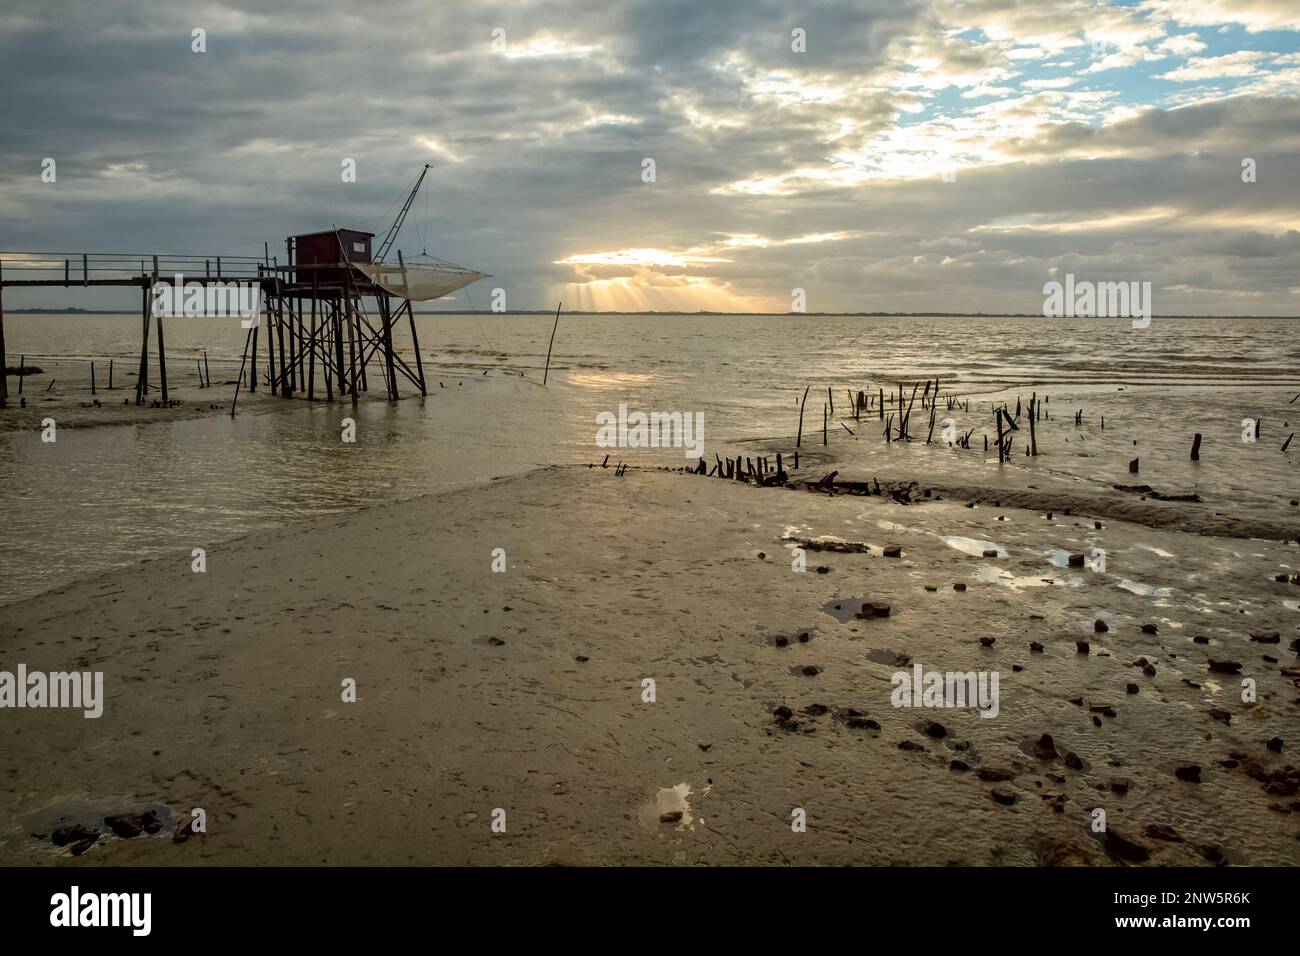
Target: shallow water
[{"x": 104, "y": 497}]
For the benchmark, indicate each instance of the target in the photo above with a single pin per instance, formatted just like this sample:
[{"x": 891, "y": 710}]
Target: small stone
[
  {"x": 1149, "y": 670},
  {"x": 672, "y": 816},
  {"x": 1125, "y": 849},
  {"x": 990, "y": 552},
  {"x": 705, "y": 747},
  {"x": 816, "y": 710},
  {"x": 1082, "y": 646},
  {"x": 581, "y": 659},
  {"x": 124, "y": 826},
  {"x": 1148, "y": 629},
  {"x": 987, "y": 641},
  {"x": 1267, "y": 637},
  {"x": 1133, "y": 688},
  {"x": 932, "y": 588},
  {"x": 1077, "y": 560},
  {"x": 804, "y": 637},
  {"x": 959, "y": 586},
  {"x": 822, "y": 569},
  {"x": 1073, "y": 761},
  {"x": 762, "y": 555},
  {"x": 959, "y": 765},
  {"x": 862, "y": 723},
  {"x": 1221, "y": 715},
  {"x": 1119, "y": 786},
  {"x": 783, "y": 713},
  {"x": 1099, "y": 626},
  {"x": 1003, "y": 795},
  {"x": 1097, "y": 525},
  {"x": 1035, "y": 647},
  {"x": 909, "y": 745},
  {"x": 782, "y": 641},
  {"x": 1045, "y": 748},
  {"x": 1188, "y": 773},
  {"x": 496, "y": 642},
  {"x": 1016, "y": 668},
  {"x": 893, "y": 551},
  {"x": 994, "y": 774},
  {"x": 1160, "y": 831},
  {"x": 810, "y": 670},
  {"x": 1200, "y": 639},
  {"x": 1275, "y": 745},
  {"x": 935, "y": 729},
  {"x": 1225, "y": 667}
]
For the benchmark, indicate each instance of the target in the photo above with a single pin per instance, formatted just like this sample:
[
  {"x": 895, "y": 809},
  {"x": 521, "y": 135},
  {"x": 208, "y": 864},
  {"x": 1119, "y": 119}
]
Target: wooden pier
[{"x": 326, "y": 317}]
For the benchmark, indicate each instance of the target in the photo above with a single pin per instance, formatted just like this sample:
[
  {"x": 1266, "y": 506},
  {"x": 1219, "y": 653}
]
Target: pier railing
[{"x": 116, "y": 268}]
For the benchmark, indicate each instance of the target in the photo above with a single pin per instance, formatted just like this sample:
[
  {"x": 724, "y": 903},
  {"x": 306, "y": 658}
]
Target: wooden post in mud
[
  {"x": 882, "y": 403},
  {"x": 547, "y": 371},
  {"x": 1001, "y": 450},
  {"x": 824, "y": 419},
  {"x": 1196, "y": 447},
  {"x": 799, "y": 439},
  {"x": 830, "y": 399},
  {"x": 852, "y": 404},
  {"x": 110, "y": 375},
  {"x": 4, "y": 375},
  {"x": 92, "y": 378},
  {"x": 239, "y": 379},
  {"x": 1033, "y": 438},
  {"x": 207, "y": 372},
  {"x": 199, "y": 365},
  {"x": 142, "y": 378}
]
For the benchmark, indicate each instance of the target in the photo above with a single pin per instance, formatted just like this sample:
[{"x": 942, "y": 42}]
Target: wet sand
[{"x": 523, "y": 691}]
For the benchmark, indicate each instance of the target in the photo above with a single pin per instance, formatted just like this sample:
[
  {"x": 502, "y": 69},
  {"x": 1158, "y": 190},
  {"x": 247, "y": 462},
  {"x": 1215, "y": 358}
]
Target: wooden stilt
[
  {"x": 415, "y": 341},
  {"x": 162, "y": 357},
  {"x": 386, "y": 313},
  {"x": 4, "y": 375},
  {"x": 142, "y": 379},
  {"x": 311, "y": 354}
]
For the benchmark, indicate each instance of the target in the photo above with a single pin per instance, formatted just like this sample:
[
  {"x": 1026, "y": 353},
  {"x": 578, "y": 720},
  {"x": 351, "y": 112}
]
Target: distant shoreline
[{"x": 793, "y": 315}]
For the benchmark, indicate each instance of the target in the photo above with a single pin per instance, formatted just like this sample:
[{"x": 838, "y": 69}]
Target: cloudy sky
[{"x": 944, "y": 155}]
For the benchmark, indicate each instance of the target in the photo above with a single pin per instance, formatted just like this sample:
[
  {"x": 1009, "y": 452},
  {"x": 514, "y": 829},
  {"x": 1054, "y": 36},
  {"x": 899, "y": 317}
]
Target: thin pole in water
[{"x": 548, "y": 348}]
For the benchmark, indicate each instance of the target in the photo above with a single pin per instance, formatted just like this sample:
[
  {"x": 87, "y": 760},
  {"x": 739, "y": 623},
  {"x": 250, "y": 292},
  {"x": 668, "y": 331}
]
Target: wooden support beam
[
  {"x": 415, "y": 341},
  {"x": 142, "y": 378},
  {"x": 4, "y": 376}
]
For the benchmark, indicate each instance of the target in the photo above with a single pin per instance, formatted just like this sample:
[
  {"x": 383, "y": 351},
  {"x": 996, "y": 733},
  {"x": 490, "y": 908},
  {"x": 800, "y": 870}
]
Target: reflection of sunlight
[{"x": 608, "y": 379}]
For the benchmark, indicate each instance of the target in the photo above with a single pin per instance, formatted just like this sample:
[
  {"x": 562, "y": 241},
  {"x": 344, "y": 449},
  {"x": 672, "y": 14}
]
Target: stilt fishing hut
[{"x": 327, "y": 314}]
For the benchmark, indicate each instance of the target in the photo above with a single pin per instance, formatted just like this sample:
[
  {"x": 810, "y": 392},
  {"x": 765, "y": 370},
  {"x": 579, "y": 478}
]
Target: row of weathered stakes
[
  {"x": 898, "y": 422},
  {"x": 761, "y": 470}
]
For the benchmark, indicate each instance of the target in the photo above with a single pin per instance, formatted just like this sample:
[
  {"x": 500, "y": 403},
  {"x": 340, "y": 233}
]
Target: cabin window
[{"x": 358, "y": 247}]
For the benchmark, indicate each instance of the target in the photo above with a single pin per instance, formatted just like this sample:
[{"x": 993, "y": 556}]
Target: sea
[{"x": 104, "y": 497}]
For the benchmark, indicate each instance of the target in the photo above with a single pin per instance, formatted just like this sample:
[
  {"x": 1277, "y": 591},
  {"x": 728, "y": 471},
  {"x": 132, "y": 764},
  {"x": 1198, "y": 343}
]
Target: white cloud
[{"x": 1229, "y": 66}]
